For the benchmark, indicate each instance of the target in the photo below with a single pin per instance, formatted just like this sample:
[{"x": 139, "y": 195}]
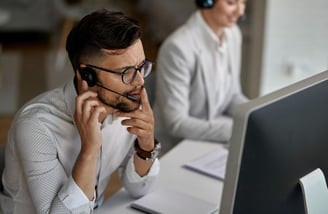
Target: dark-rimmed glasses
[{"x": 129, "y": 73}]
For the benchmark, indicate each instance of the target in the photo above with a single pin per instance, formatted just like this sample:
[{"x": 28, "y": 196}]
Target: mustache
[{"x": 137, "y": 90}]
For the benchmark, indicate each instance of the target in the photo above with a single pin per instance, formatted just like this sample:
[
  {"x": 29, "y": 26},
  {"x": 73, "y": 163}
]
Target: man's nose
[{"x": 139, "y": 79}]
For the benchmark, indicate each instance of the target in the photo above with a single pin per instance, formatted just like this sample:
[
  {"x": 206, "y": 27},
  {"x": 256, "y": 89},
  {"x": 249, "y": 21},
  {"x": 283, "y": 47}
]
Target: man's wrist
[{"x": 147, "y": 155}]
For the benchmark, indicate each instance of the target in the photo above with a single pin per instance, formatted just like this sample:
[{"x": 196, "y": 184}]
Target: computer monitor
[{"x": 277, "y": 139}]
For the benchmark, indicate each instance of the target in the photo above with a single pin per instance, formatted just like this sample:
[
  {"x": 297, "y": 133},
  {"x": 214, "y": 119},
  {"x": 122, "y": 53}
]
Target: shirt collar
[
  {"x": 200, "y": 21},
  {"x": 108, "y": 120}
]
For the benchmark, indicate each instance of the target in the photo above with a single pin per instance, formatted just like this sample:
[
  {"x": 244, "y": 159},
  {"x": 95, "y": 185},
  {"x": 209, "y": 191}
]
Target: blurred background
[{"x": 283, "y": 42}]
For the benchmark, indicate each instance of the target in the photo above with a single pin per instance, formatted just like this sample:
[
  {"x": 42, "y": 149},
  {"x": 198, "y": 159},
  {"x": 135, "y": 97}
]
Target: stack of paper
[{"x": 212, "y": 164}]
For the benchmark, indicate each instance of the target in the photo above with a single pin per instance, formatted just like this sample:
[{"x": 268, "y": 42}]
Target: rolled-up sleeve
[
  {"x": 136, "y": 185},
  {"x": 73, "y": 197}
]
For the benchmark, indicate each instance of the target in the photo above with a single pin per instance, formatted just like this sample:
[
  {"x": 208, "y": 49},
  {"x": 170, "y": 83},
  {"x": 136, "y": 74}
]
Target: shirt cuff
[
  {"x": 134, "y": 177},
  {"x": 73, "y": 197}
]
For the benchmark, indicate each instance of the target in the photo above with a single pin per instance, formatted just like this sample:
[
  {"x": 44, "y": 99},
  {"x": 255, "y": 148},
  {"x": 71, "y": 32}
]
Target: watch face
[
  {"x": 154, "y": 154},
  {"x": 156, "y": 151}
]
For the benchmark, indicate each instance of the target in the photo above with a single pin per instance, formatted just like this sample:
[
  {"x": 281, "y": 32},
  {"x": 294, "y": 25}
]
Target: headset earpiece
[
  {"x": 89, "y": 75},
  {"x": 205, "y": 4}
]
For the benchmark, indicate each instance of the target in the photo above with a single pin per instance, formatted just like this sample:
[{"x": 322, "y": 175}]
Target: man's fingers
[
  {"x": 84, "y": 86},
  {"x": 96, "y": 112},
  {"x": 88, "y": 106},
  {"x": 80, "y": 100},
  {"x": 144, "y": 99},
  {"x": 140, "y": 124}
]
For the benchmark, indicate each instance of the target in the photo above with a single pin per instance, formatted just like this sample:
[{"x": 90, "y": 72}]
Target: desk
[{"x": 173, "y": 176}]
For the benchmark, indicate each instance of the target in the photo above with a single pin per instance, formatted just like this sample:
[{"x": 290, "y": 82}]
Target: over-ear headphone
[
  {"x": 205, "y": 4},
  {"x": 89, "y": 75}
]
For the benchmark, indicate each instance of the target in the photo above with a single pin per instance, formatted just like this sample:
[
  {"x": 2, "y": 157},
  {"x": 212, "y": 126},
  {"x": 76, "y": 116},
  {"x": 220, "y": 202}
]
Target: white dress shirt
[
  {"x": 43, "y": 144},
  {"x": 221, "y": 74}
]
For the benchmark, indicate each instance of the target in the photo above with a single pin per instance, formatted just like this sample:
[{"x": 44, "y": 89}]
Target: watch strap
[
  {"x": 147, "y": 155},
  {"x": 142, "y": 157}
]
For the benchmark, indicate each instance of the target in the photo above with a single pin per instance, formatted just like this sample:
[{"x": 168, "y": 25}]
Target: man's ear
[
  {"x": 78, "y": 75},
  {"x": 88, "y": 74},
  {"x": 78, "y": 81}
]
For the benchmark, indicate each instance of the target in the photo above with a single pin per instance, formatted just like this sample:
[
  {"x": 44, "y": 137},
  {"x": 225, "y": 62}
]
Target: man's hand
[
  {"x": 141, "y": 123},
  {"x": 87, "y": 112}
]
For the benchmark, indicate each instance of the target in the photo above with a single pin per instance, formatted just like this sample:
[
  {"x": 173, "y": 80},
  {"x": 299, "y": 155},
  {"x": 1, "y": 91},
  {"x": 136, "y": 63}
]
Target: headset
[
  {"x": 205, "y": 4},
  {"x": 89, "y": 75}
]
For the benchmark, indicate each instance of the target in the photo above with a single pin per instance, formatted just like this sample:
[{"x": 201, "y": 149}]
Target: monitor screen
[{"x": 277, "y": 139}]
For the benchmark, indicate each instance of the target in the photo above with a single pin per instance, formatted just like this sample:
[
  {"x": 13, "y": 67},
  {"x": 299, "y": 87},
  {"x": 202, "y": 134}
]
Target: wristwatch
[{"x": 147, "y": 155}]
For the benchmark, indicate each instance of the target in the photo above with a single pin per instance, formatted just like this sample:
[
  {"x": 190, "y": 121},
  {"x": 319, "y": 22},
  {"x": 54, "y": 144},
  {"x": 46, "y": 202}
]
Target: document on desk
[
  {"x": 164, "y": 201},
  {"x": 212, "y": 164}
]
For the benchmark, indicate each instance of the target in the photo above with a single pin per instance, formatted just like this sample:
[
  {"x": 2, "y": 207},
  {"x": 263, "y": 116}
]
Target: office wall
[
  {"x": 295, "y": 42},
  {"x": 164, "y": 16},
  {"x": 284, "y": 41}
]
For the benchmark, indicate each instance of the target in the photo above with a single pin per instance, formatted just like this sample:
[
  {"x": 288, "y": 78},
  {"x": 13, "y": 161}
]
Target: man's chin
[{"x": 125, "y": 107}]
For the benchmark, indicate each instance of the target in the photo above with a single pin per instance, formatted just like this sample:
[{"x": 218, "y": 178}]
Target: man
[
  {"x": 198, "y": 69},
  {"x": 64, "y": 144}
]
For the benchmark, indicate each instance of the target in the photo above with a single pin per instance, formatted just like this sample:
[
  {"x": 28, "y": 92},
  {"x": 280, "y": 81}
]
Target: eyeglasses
[{"x": 129, "y": 73}]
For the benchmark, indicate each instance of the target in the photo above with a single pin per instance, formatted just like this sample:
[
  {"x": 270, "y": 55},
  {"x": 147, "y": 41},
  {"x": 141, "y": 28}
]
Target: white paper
[{"x": 212, "y": 164}]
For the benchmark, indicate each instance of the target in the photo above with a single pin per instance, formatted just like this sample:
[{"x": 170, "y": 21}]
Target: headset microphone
[
  {"x": 89, "y": 75},
  {"x": 130, "y": 97}
]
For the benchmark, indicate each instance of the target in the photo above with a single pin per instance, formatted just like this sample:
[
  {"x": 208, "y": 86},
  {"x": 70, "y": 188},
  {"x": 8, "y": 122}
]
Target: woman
[{"x": 198, "y": 70}]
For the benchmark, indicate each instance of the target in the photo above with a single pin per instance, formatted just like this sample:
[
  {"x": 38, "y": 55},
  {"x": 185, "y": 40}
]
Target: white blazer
[{"x": 184, "y": 105}]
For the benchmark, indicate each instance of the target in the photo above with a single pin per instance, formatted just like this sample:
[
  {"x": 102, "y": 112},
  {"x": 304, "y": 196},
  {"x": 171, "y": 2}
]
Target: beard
[{"x": 120, "y": 103}]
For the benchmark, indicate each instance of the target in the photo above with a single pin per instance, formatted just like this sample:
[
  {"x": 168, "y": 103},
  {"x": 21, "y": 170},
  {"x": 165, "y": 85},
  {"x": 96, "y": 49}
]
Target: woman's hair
[{"x": 101, "y": 29}]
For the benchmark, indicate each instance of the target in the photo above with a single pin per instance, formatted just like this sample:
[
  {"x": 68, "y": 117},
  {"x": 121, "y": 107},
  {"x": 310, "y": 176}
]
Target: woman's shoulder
[{"x": 184, "y": 39}]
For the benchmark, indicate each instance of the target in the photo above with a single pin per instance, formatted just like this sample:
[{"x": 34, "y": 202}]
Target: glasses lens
[
  {"x": 129, "y": 75},
  {"x": 147, "y": 68}
]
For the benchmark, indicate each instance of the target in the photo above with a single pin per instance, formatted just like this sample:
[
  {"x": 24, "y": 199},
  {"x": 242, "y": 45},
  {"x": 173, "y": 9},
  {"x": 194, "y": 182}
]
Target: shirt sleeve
[
  {"x": 73, "y": 197},
  {"x": 136, "y": 185},
  {"x": 50, "y": 188}
]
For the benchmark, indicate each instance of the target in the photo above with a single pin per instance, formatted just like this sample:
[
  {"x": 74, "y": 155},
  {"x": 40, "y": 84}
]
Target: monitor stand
[{"x": 315, "y": 192}]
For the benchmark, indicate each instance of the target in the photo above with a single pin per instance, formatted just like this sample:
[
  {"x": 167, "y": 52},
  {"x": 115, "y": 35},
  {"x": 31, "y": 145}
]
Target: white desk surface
[{"x": 174, "y": 176}]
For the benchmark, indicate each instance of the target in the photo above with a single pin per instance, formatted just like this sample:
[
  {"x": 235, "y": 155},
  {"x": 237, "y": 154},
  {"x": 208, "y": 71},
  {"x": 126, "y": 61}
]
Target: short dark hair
[{"x": 101, "y": 29}]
